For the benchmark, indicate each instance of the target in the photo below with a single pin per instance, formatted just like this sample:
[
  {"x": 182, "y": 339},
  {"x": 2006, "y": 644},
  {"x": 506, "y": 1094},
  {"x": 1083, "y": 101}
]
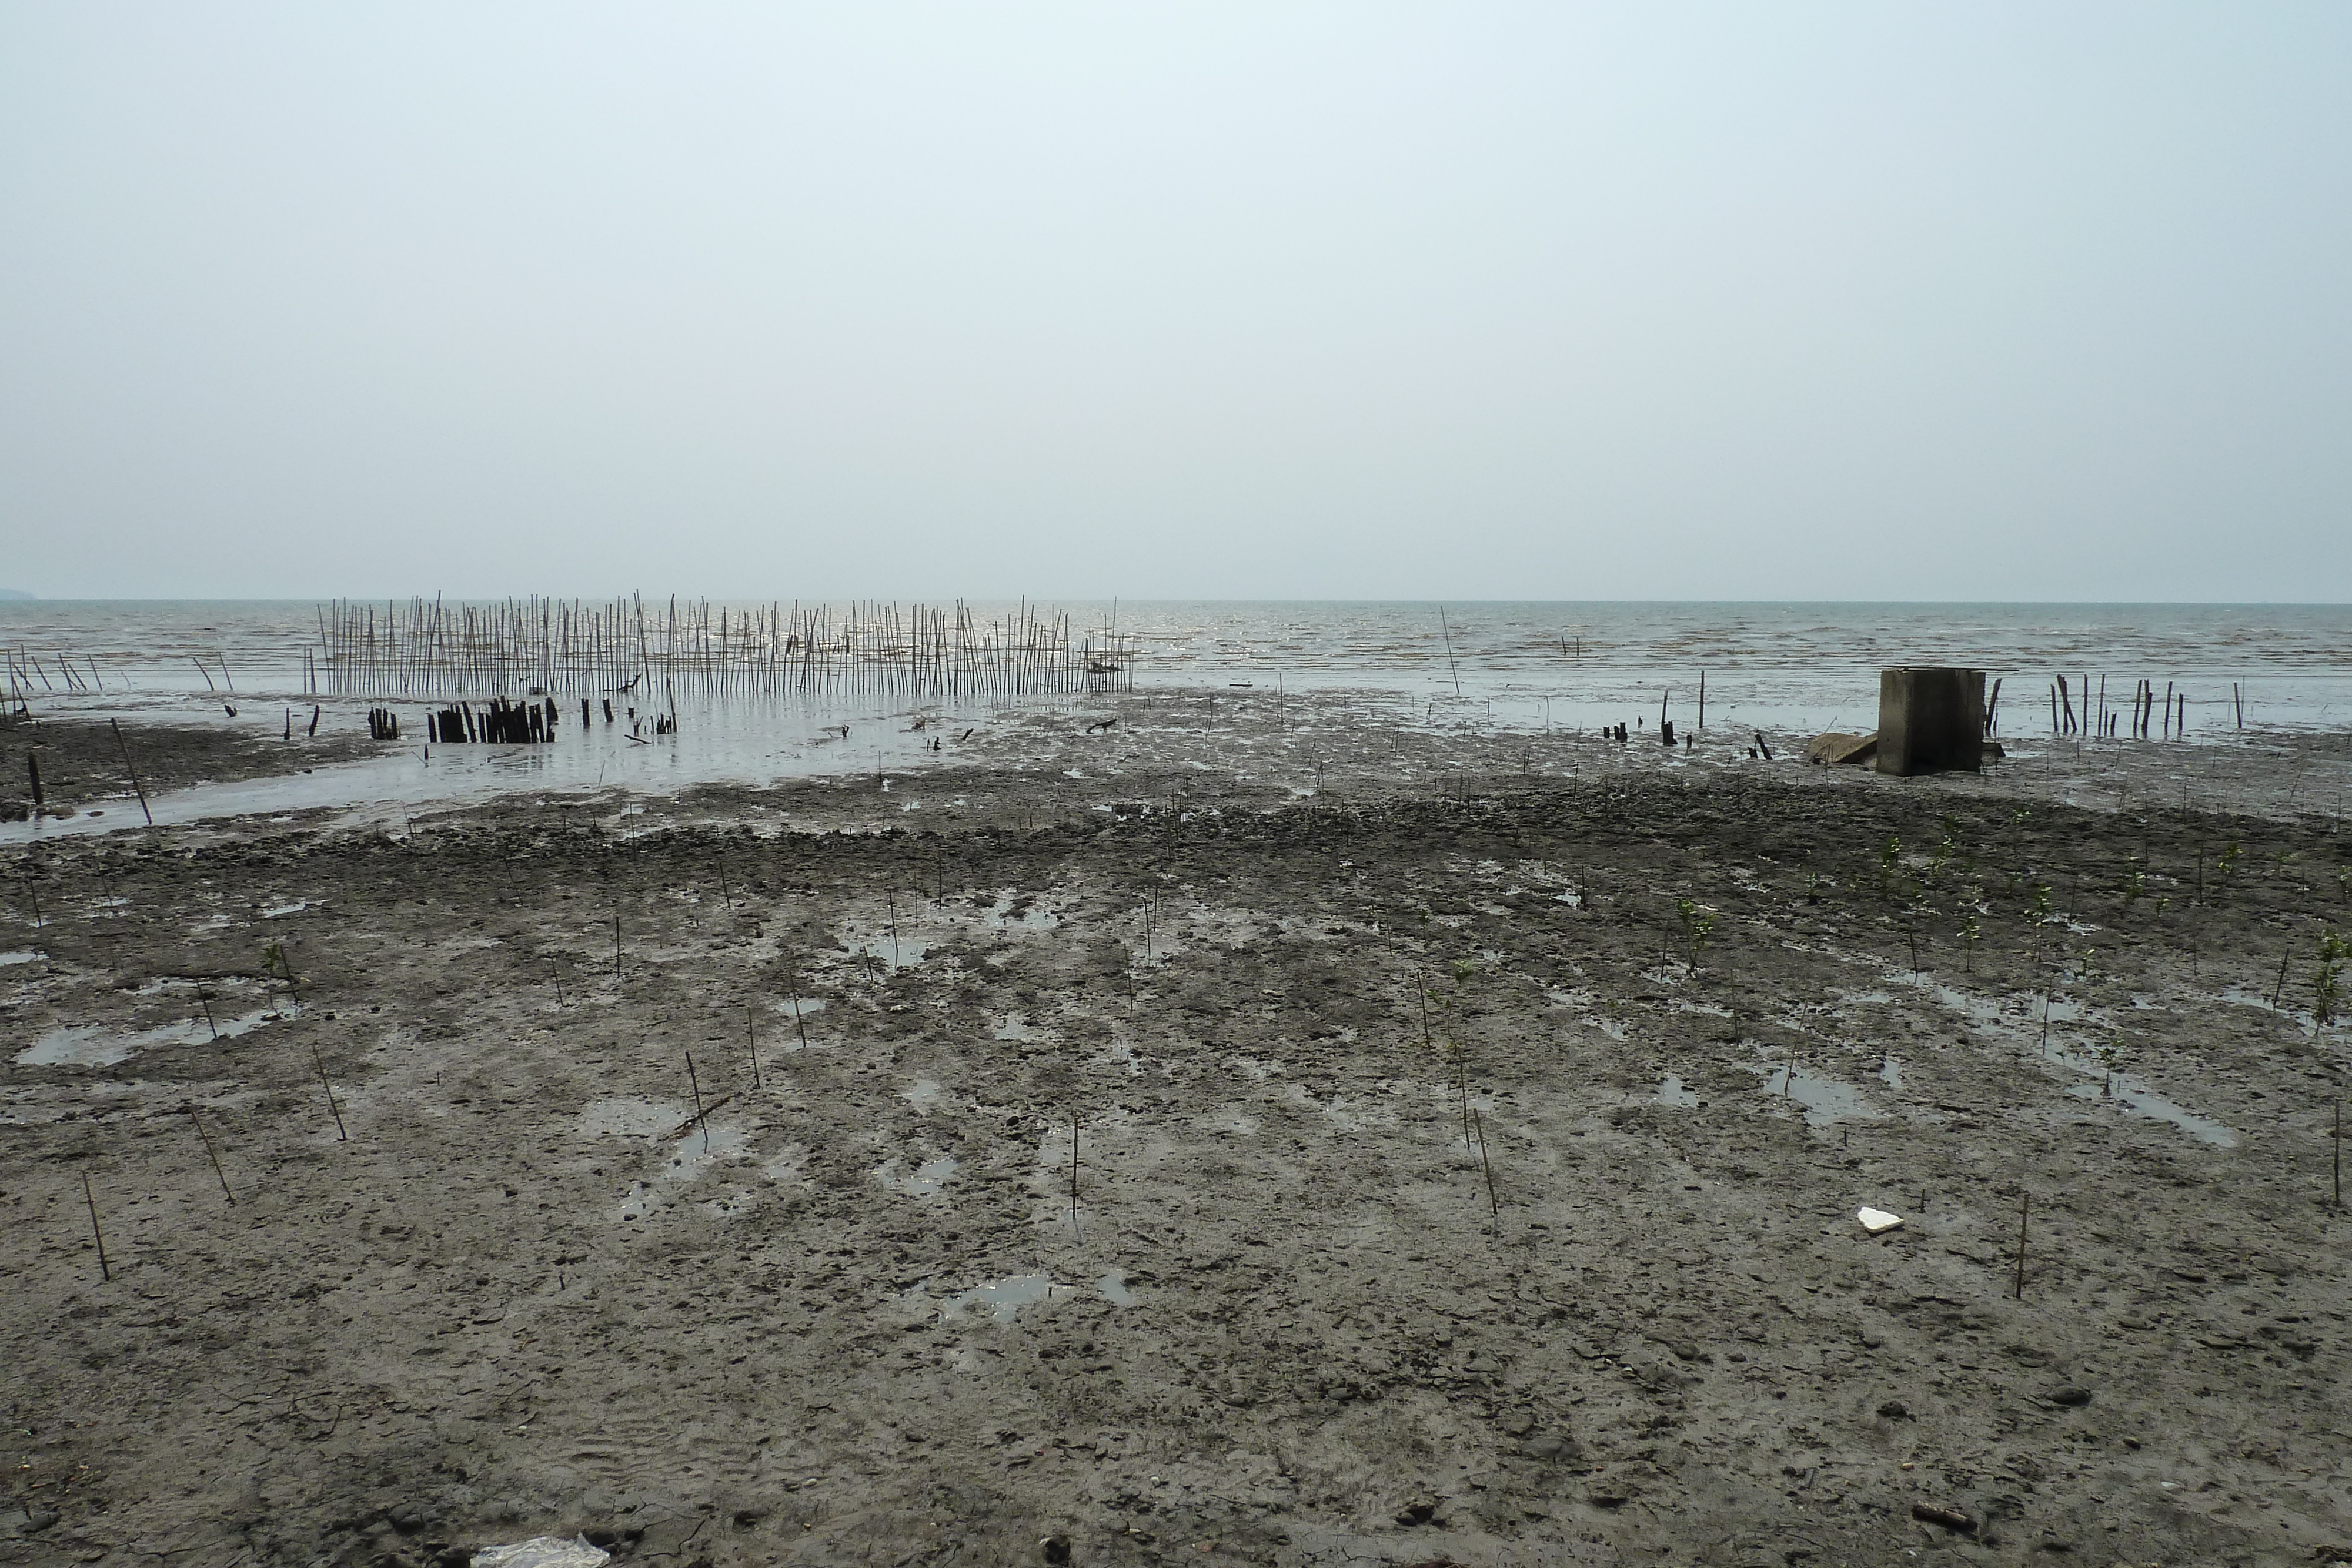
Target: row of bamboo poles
[{"x": 429, "y": 648}]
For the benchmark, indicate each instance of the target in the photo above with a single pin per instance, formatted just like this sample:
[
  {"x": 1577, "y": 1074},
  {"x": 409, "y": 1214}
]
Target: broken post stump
[{"x": 1930, "y": 720}]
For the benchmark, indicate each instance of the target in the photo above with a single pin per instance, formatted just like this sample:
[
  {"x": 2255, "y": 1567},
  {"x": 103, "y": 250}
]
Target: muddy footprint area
[{"x": 1465, "y": 1180}]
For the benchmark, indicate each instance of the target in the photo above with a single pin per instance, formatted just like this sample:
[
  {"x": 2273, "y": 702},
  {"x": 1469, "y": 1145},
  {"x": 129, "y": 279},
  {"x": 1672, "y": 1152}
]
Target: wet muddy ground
[
  {"x": 1111, "y": 1152},
  {"x": 84, "y": 767}
]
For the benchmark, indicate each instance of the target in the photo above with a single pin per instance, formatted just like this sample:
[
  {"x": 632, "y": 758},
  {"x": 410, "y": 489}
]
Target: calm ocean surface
[
  {"x": 1774, "y": 667},
  {"x": 1789, "y": 670}
]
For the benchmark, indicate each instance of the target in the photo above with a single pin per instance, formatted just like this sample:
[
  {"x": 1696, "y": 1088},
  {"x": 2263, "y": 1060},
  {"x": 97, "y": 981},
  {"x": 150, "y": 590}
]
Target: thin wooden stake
[
  {"x": 798, "y": 1026},
  {"x": 105, "y": 1269},
  {"x": 1493, "y": 1205},
  {"x": 132, "y": 771},
  {"x": 752, "y": 1029},
  {"x": 697, "y": 1084},
  {"x": 209, "y": 1153},
  {"x": 2024, "y": 1207},
  {"x": 320, "y": 1063},
  {"x": 1074, "y": 1170}
]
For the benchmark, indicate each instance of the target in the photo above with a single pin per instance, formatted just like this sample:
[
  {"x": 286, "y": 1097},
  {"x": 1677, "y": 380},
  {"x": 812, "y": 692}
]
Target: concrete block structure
[{"x": 1930, "y": 720}]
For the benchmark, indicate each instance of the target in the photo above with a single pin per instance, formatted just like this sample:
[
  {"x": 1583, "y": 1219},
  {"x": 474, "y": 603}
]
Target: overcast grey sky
[{"x": 1357, "y": 300}]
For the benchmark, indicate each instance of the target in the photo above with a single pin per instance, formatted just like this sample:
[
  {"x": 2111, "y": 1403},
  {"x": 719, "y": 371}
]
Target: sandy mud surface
[{"x": 1404, "y": 1147}]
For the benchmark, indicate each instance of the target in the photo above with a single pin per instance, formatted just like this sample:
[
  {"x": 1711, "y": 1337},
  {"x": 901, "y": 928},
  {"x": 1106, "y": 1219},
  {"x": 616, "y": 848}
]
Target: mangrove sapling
[
  {"x": 1970, "y": 933},
  {"x": 1698, "y": 925},
  {"x": 1943, "y": 855},
  {"x": 274, "y": 961}
]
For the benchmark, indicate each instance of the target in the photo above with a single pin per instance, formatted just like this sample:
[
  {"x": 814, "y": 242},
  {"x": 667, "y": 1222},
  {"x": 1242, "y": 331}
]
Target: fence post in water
[{"x": 33, "y": 767}]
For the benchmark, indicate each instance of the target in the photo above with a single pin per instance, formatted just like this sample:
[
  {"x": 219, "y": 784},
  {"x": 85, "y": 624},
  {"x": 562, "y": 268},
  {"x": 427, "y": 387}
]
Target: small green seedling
[{"x": 1698, "y": 924}]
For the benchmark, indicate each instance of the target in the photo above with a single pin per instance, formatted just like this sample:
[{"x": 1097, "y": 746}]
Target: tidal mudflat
[{"x": 1245, "y": 1133}]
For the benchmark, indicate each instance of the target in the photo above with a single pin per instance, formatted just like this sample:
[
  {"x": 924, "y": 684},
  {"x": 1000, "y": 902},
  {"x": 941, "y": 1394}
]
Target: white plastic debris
[
  {"x": 544, "y": 1552},
  {"x": 1875, "y": 1220}
]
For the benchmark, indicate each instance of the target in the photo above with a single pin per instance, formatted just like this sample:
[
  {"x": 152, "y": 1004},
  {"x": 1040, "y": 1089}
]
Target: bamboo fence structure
[{"x": 427, "y": 647}]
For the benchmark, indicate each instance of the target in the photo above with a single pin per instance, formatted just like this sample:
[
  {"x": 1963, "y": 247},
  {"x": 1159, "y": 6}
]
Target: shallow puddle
[
  {"x": 789, "y": 1032},
  {"x": 1890, "y": 1072},
  {"x": 22, "y": 955},
  {"x": 2129, "y": 1093},
  {"x": 1003, "y": 1298},
  {"x": 1825, "y": 1100},
  {"x": 101, "y": 1045},
  {"x": 2025, "y": 1025},
  {"x": 926, "y": 1180},
  {"x": 1030, "y": 914},
  {"x": 681, "y": 1159},
  {"x": 1114, "y": 1290},
  {"x": 1672, "y": 1092}
]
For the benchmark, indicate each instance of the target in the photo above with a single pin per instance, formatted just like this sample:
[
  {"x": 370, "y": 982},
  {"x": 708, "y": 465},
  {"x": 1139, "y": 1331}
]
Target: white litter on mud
[
  {"x": 544, "y": 1552},
  {"x": 1877, "y": 1221}
]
